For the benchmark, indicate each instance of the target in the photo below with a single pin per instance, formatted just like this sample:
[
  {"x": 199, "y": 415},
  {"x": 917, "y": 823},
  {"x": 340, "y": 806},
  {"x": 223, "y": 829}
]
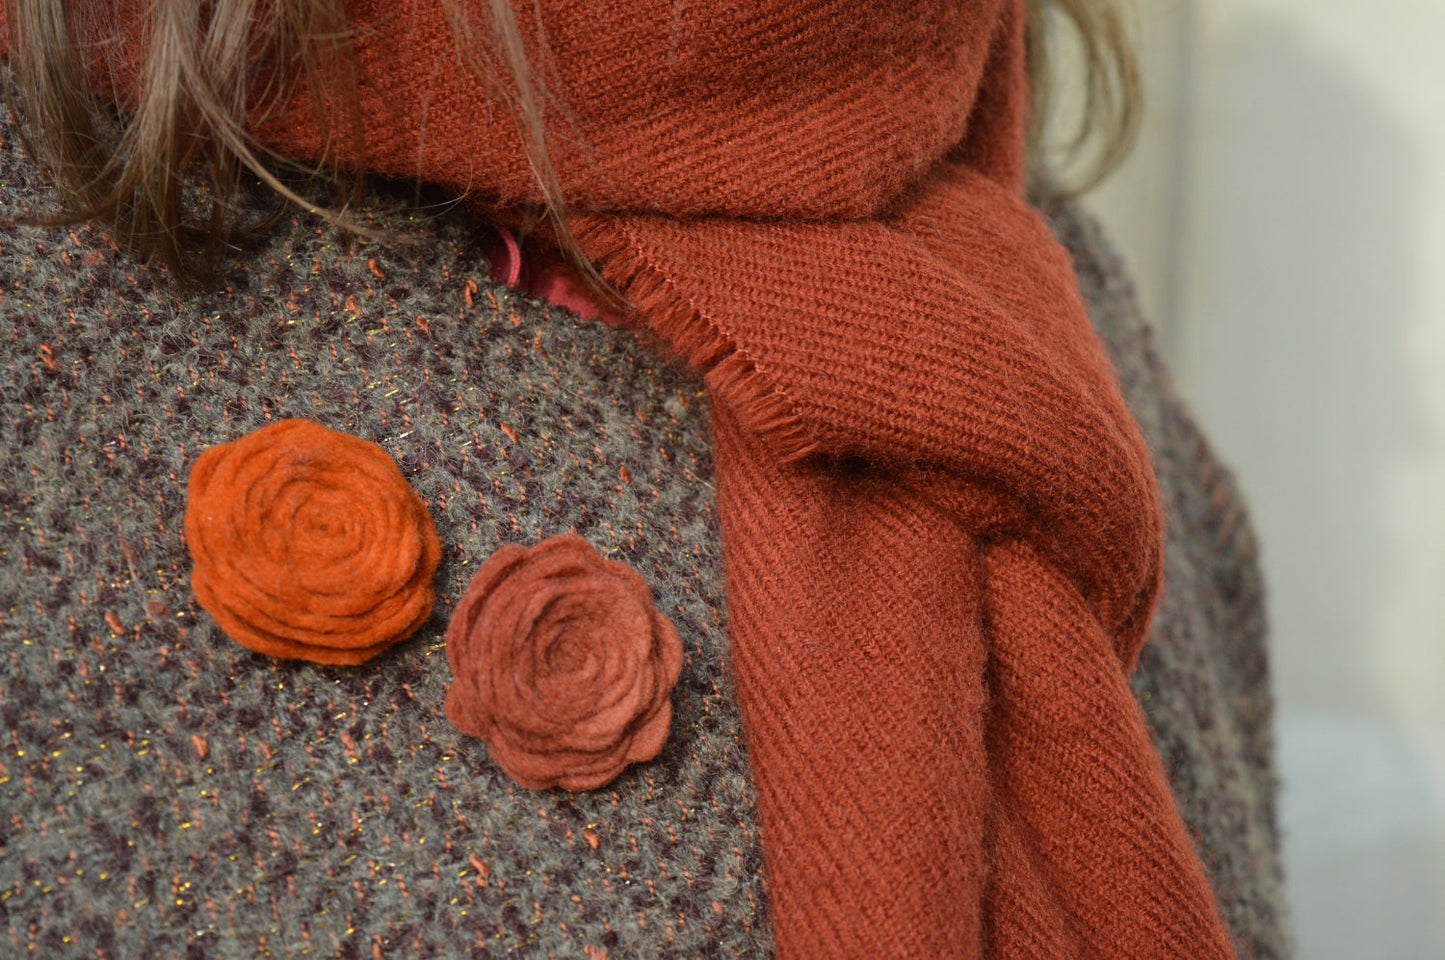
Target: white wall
[{"x": 1286, "y": 216}]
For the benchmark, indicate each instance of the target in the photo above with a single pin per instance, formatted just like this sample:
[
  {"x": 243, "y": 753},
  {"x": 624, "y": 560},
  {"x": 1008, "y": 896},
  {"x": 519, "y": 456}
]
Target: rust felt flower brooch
[
  {"x": 562, "y": 665},
  {"x": 309, "y": 544}
]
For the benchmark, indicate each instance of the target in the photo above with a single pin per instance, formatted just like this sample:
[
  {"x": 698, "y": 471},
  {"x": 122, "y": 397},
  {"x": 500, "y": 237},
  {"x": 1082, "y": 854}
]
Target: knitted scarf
[{"x": 942, "y": 537}]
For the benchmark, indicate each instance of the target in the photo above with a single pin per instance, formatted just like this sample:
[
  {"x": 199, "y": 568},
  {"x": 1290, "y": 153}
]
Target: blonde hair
[
  {"x": 1105, "y": 129},
  {"x": 208, "y": 73}
]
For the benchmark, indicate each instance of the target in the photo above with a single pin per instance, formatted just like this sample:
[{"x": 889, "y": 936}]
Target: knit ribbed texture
[{"x": 756, "y": 108}]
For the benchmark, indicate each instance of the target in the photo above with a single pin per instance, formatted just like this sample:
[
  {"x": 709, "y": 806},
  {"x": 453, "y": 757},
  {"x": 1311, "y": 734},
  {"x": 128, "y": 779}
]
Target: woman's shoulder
[{"x": 177, "y": 790}]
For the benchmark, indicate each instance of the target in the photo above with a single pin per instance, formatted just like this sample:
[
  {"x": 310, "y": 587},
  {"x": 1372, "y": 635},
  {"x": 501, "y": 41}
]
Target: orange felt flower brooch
[
  {"x": 562, "y": 664},
  {"x": 309, "y": 544}
]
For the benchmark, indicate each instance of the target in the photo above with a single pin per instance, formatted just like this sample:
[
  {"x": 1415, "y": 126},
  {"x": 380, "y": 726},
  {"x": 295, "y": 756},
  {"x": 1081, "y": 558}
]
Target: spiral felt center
[
  {"x": 570, "y": 652},
  {"x": 328, "y": 525}
]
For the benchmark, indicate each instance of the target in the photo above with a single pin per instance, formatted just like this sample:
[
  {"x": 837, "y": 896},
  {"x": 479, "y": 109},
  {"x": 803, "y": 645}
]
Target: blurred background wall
[{"x": 1285, "y": 219}]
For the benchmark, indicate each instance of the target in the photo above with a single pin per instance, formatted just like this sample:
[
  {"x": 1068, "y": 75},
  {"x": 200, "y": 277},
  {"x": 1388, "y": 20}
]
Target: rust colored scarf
[{"x": 942, "y": 536}]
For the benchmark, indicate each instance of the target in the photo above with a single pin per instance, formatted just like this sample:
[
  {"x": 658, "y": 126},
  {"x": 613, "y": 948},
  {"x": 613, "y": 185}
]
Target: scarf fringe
[{"x": 729, "y": 373}]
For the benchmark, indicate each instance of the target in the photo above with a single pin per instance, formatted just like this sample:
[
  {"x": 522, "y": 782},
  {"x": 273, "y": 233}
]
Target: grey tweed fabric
[{"x": 165, "y": 792}]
